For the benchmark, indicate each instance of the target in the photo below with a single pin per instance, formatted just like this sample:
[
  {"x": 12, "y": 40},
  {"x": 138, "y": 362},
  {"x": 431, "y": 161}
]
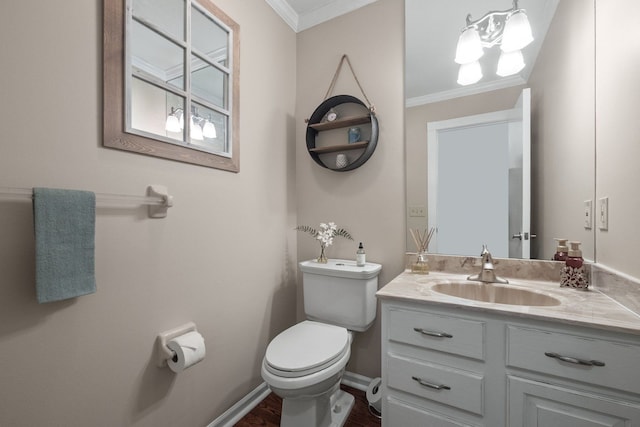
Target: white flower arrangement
[{"x": 325, "y": 235}]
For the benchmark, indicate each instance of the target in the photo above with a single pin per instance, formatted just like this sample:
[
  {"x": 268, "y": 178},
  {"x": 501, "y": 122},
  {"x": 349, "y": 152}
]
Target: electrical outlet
[
  {"x": 417, "y": 211},
  {"x": 603, "y": 213},
  {"x": 588, "y": 215}
]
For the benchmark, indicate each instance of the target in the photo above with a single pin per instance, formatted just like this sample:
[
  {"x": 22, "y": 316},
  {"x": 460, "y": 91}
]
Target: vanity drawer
[
  {"x": 541, "y": 351},
  {"x": 453, "y": 387},
  {"x": 441, "y": 333},
  {"x": 406, "y": 415}
]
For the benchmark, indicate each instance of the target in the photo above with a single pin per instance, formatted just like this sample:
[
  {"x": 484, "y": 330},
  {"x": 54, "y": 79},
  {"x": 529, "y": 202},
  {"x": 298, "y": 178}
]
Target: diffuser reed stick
[{"x": 422, "y": 238}]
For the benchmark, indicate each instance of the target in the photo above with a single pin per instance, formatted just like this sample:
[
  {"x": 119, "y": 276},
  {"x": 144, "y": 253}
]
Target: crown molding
[
  {"x": 465, "y": 91},
  {"x": 326, "y": 12},
  {"x": 329, "y": 11},
  {"x": 286, "y": 12}
]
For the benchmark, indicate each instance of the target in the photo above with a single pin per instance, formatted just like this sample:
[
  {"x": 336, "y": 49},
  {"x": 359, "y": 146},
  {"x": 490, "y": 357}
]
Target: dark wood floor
[{"x": 267, "y": 413}]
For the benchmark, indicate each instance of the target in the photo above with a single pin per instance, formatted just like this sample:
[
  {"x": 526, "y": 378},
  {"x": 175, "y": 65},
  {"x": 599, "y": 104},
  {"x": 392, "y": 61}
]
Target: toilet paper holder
[{"x": 164, "y": 353}]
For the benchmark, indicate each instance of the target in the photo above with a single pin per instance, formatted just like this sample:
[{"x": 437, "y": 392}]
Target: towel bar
[{"x": 157, "y": 198}]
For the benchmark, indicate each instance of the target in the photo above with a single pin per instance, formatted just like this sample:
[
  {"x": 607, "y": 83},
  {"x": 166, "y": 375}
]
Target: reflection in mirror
[
  {"x": 180, "y": 81},
  {"x": 489, "y": 147},
  {"x": 561, "y": 77}
]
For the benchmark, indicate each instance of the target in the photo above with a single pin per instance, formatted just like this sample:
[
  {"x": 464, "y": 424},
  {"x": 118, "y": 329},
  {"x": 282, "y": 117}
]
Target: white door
[
  {"x": 520, "y": 179},
  {"x": 479, "y": 181}
]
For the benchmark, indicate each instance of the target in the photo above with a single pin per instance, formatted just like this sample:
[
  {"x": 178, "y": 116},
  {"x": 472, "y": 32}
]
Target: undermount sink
[{"x": 494, "y": 293}]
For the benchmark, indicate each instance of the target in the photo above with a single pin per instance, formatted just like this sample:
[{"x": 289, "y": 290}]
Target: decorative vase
[
  {"x": 341, "y": 161},
  {"x": 322, "y": 258}
]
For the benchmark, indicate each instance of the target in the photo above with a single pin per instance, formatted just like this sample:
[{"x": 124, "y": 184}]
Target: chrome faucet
[{"x": 487, "y": 274}]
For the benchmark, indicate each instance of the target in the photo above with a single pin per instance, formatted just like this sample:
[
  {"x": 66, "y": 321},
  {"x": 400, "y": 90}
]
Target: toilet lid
[{"x": 306, "y": 348}]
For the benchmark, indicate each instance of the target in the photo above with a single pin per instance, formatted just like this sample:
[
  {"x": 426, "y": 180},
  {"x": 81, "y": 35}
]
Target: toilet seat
[{"x": 306, "y": 348}]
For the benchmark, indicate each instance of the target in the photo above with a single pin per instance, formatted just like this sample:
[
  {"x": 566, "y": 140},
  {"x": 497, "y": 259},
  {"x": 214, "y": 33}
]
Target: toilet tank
[{"x": 340, "y": 293}]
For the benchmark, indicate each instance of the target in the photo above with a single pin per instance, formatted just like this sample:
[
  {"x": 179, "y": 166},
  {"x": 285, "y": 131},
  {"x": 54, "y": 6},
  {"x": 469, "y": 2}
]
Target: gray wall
[
  {"x": 369, "y": 201},
  {"x": 617, "y": 130},
  {"x": 225, "y": 257}
]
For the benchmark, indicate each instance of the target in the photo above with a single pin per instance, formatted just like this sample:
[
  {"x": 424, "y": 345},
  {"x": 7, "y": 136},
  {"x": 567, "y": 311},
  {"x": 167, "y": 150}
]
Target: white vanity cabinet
[
  {"x": 572, "y": 378},
  {"x": 446, "y": 365}
]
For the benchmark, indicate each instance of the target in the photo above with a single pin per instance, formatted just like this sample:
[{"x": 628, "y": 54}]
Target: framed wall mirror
[
  {"x": 560, "y": 73},
  {"x": 171, "y": 81}
]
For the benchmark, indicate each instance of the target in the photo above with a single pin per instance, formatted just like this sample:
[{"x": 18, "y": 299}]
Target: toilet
[{"x": 304, "y": 364}]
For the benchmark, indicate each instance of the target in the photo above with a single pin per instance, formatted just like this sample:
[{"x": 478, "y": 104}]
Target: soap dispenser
[
  {"x": 561, "y": 250},
  {"x": 360, "y": 256},
  {"x": 573, "y": 274}
]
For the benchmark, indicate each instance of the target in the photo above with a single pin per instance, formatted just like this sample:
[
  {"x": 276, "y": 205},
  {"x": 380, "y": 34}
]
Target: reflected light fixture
[
  {"x": 510, "y": 63},
  {"x": 173, "y": 122},
  {"x": 508, "y": 29},
  {"x": 200, "y": 127},
  {"x": 196, "y": 132},
  {"x": 208, "y": 129}
]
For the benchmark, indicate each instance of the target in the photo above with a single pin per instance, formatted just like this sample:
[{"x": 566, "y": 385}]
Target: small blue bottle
[{"x": 354, "y": 135}]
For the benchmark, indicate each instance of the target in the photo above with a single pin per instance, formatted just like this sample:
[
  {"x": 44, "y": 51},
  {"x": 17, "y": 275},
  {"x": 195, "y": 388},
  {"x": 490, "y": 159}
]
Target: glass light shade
[
  {"x": 196, "y": 133},
  {"x": 469, "y": 46},
  {"x": 469, "y": 73},
  {"x": 510, "y": 63},
  {"x": 517, "y": 32},
  {"x": 209, "y": 130},
  {"x": 172, "y": 124}
]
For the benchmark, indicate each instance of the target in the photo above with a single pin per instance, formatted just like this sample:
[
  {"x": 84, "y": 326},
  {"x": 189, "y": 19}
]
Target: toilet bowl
[{"x": 305, "y": 363}]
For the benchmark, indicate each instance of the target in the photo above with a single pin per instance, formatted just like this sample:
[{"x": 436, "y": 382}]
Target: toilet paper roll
[
  {"x": 189, "y": 349},
  {"x": 374, "y": 394}
]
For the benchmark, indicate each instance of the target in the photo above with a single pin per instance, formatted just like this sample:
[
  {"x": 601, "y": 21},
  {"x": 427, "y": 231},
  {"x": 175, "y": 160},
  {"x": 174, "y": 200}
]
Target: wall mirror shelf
[{"x": 171, "y": 81}]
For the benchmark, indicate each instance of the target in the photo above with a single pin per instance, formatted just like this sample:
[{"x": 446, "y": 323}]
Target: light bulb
[
  {"x": 510, "y": 63},
  {"x": 517, "y": 32},
  {"x": 469, "y": 46},
  {"x": 196, "y": 133},
  {"x": 469, "y": 73},
  {"x": 209, "y": 130},
  {"x": 172, "y": 124}
]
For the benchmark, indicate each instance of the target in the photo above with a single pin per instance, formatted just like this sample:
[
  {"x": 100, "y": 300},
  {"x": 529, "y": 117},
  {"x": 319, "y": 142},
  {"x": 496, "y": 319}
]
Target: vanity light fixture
[
  {"x": 509, "y": 29},
  {"x": 200, "y": 127},
  {"x": 208, "y": 129},
  {"x": 196, "y": 130},
  {"x": 173, "y": 122}
]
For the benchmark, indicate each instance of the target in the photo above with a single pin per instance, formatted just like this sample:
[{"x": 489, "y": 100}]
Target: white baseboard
[
  {"x": 232, "y": 415},
  {"x": 357, "y": 381}
]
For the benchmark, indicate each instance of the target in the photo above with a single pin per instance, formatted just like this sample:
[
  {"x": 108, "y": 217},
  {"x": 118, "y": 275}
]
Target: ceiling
[{"x": 432, "y": 30}]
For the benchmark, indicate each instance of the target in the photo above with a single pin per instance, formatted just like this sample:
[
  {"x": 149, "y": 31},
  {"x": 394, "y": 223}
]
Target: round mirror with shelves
[{"x": 327, "y": 142}]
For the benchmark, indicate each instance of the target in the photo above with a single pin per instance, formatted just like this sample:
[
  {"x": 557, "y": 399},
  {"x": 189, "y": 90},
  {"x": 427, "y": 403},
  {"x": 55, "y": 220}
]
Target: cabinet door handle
[
  {"x": 433, "y": 333},
  {"x": 574, "y": 360},
  {"x": 431, "y": 385}
]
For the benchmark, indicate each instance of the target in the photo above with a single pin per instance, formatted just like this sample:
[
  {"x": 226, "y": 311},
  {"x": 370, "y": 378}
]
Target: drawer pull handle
[
  {"x": 431, "y": 385},
  {"x": 575, "y": 360},
  {"x": 433, "y": 333}
]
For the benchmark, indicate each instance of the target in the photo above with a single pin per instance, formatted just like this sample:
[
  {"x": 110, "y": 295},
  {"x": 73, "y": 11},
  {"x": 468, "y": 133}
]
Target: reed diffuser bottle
[{"x": 421, "y": 239}]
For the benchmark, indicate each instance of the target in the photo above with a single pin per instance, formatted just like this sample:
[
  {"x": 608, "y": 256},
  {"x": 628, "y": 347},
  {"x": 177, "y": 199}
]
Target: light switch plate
[
  {"x": 588, "y": 214},
  {"x": 417, "y": 211},
  {"x": 603, "y": 213}
]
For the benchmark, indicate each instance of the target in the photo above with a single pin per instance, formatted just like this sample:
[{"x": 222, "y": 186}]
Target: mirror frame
[{"x": 114, "y": 97}]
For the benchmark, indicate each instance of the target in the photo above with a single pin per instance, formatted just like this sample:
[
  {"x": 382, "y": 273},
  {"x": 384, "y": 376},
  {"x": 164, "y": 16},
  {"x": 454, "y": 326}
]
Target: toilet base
[
  {"x": 327, "y": 410},
  {"x": 341, "y": 407}
]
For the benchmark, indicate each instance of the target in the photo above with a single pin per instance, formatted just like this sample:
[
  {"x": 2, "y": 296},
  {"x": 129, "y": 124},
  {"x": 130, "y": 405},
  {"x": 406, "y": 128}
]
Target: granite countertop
[{"x": 590, "y": 308}]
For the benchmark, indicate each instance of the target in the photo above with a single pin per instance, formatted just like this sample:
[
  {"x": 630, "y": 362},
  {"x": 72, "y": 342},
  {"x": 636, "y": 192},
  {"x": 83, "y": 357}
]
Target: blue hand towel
[{"x": 64, "y": 223}]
